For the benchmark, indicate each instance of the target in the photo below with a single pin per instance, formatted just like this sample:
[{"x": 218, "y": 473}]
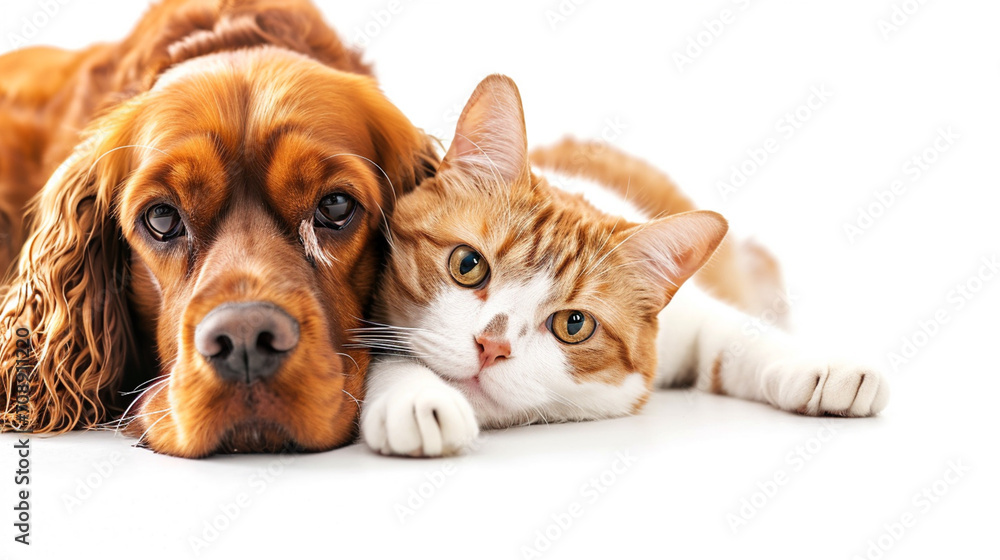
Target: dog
[{"x": 207, "y": 208}]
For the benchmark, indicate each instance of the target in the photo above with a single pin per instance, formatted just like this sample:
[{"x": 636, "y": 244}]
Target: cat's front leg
[
  {"x": 817, "y": 386},
  {"x": 411, "y": 411},
  {"x": 708, "y": 344}
]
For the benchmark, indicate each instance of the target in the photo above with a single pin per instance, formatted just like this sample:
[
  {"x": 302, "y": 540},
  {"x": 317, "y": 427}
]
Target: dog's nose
[{"x": 246, "y": 341}]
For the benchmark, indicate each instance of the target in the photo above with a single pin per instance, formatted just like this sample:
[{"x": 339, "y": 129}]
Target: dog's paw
[
  {"x": 818, "y": 387},
  {"x": 427, "y": 422}
]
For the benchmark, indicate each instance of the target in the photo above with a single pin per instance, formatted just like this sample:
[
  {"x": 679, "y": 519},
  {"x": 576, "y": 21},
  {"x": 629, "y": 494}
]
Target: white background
[{"x": 699, "y": 459}]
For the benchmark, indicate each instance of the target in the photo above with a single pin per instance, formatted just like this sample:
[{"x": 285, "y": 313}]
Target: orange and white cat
[{"x": 507, "y": 300}]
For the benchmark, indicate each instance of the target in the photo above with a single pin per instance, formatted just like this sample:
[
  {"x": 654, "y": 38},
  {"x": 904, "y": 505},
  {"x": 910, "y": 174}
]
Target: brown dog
[{"x": 214, "y": 233}]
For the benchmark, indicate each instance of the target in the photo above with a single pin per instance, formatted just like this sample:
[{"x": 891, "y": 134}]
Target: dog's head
[{"x": 217, "y": 234}]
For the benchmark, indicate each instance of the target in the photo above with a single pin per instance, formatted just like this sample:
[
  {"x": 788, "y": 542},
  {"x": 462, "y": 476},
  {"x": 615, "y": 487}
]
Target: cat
[{"x": 509, "y": 301}]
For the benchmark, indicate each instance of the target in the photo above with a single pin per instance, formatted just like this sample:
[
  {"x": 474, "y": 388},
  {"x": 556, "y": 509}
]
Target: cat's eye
[
  {"x": 164, "y": 222},
  {"x": 468, "y": 267},
  {"x": 571, "y": 325},
  {"x": 335, "y": 211}
]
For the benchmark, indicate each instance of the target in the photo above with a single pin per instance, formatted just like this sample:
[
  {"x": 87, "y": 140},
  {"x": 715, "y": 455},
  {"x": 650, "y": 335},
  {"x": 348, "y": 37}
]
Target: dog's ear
[
  {"x": 407, "y": 157},
  {"x": 65, "y": 334},
  {"x": 405, "y": 154}
]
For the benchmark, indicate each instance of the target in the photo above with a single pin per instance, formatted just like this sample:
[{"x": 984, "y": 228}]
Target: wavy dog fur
[{"x": 242, "y": 103}]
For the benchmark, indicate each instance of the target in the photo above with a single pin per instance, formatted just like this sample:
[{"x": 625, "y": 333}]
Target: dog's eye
[
  {"x": 571, "y": 326},
  {"x": 335, "y": 211},
  {"x": 164, "y": 222},
  {"x": 468, "y": 267}
]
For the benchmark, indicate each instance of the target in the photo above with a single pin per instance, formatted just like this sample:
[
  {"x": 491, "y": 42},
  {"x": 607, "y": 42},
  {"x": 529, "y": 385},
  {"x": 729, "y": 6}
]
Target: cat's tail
[{"x": 742, "y": 273}]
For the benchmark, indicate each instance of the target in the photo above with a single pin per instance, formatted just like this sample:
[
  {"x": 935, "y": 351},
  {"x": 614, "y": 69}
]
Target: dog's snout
[{"x": 246, "y": 341}]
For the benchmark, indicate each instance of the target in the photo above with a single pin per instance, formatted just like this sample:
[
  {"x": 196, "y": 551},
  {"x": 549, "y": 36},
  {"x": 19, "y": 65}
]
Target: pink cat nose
[{"x": 491, "y": 350}]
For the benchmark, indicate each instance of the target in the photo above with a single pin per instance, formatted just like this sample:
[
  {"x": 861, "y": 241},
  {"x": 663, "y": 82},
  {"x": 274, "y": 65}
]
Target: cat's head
[{"x": 532, "y": 302}]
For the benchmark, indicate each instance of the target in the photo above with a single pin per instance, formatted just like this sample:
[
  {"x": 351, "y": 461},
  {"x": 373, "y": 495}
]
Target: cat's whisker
[
  {"x": 388, "y": 344},
  {"x": 388, "y": 339},
  {"x": 382, "y": 326},
  {"x": 399, "y": 337},
  {"x": 388, "y": 349},
  {"x": 393, "y": 355},
  {"x": 566, "y": 401},
  {"x": 382, "y": 332},
  {"x": 379, "y": 346}
]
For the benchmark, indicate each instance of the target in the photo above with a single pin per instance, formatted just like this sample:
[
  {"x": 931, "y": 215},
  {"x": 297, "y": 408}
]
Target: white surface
[{"x": 698, "y": 456}]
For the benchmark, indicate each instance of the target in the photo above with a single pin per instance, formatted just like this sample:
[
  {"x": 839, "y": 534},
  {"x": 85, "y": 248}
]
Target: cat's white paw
[
  {"x": 423, "y": 422},
  {"x": 817, "y": 387}
]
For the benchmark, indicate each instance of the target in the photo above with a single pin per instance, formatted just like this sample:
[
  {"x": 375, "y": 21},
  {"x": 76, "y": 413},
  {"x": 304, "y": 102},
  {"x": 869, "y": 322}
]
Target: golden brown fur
[{"x": 258, "y": 111}]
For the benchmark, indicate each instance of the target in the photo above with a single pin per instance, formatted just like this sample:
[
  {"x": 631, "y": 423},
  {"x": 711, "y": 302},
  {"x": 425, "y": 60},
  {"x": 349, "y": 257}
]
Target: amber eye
[
  {"x": 468, "y": 267},
  {"x": 572, "y": 326},
  {"x": 335, "y": 211},
  {"x": 164, "y": 222}
]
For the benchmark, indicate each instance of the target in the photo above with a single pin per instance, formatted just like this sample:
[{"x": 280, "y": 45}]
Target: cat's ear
[
  {"x": 668, "y": 251},
  {"x": 490, "y": 140}
]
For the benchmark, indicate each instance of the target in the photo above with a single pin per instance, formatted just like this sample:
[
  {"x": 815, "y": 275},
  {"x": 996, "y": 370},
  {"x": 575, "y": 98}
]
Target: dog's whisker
[
  {"x": 356, "y": 401},
  {"x": 357, "y": 368},
  {"x": 141, "y": 387},
  {"x": 143, "y": 436},
  {"x": 161, "y": 384}
]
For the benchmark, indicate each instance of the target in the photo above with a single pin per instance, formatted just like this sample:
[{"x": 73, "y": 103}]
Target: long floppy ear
[
  {"x": 404, "y": 153},
  {"x": 490, "y": 138},
  {"x": 666, "y": 252},
  {"x": 65, "y": 333}
]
